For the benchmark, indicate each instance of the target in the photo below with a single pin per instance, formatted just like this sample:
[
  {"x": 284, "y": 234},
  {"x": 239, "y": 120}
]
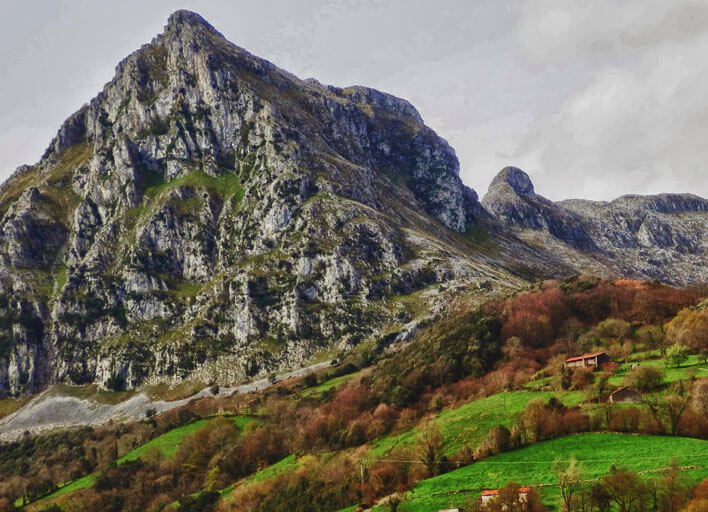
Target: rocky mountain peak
[
  {"x": 518, "y": 180},
  {"x": 183, "y": 17},
  {"x": 667, "y": 231}
]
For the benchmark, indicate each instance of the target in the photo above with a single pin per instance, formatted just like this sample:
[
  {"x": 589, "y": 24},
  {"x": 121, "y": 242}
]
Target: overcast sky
[{"x": 593, "y": 99}]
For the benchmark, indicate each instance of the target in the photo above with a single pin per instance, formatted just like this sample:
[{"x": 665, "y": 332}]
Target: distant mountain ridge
[
  {"x": 209, "y": 215},
  {"x": 662, "y": 237}
]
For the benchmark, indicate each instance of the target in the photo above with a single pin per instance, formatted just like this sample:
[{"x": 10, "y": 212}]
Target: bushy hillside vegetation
[{"x": 473, "y": 384}]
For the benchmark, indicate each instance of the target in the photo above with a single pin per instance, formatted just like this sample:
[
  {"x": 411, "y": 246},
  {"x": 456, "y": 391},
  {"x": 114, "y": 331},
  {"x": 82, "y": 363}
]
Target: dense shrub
[{"x": 645, "y": 378}]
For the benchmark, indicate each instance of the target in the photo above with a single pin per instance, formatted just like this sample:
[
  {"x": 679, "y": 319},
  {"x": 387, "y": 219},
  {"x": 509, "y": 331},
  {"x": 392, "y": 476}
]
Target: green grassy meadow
[
  {"x": 469, "y": 424},
  {"x": 532, "y": 465}
]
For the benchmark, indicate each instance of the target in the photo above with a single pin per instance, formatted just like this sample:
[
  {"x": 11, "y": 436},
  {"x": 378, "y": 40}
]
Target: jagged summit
[
  {"x": 664, "y": 229},
  {"x": 183, "y": 17},
  {"x": 515, "y": 178}
]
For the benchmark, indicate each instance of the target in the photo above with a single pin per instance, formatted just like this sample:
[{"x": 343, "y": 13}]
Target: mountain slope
[{"x": 210, "y": 212}]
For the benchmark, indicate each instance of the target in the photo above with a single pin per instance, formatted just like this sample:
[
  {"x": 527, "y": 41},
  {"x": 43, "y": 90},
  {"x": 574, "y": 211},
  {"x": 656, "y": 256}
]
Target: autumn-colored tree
[
  {"x": 699, "y": 500},
  {"x": 652, "y": 336},
  {"x": 668, "y": 412},
  {"x": 6, "y": 505},
  {"x": 699, "y": 395},
  {"x": 613, "y": 328},
  {"x": 625, "y": 489},
  {"x": 533, "y": 419},
  {"x": 689, "y": 329},
  {"x": 212, "y": 479},
  {"x": 498, "y": 440},
  {"x": 673, "y": 488},
  {"x": 581, "y": 378},
  {"x": 429, "y": 447},
  {"x": 510, "y": 500}
]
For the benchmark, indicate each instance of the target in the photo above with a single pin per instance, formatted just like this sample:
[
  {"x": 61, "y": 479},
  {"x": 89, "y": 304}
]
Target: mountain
[
  {"x": 662, "y": 237},
  {"x": 209, "y": 215}
]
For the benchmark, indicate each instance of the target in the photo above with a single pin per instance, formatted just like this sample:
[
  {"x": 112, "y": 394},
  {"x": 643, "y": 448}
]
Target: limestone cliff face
[
  {"x": 210, "y": 212},
  {"x": 662, "y": 237}
]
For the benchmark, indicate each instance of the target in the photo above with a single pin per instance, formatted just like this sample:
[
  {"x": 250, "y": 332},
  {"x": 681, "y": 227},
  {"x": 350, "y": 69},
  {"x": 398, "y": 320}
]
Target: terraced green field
[
  {"x": 532, "y": 465},
  {"x": 469, "y": 424},
  {"x": 671, "y": 373}
]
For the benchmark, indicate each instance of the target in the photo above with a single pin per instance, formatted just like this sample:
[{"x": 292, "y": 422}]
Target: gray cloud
[
  {"x": 638, "y": 124},
  {"x": 594, "y": 99}
]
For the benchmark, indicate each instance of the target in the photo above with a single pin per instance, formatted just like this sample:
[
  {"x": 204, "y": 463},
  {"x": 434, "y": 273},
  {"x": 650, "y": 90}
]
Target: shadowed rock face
[
  {"x": 662, "y": 237},
  {"x": 516, "y": 179},
  {"x": 512, "y": 200},
  {"x": 210, "y": 215}
]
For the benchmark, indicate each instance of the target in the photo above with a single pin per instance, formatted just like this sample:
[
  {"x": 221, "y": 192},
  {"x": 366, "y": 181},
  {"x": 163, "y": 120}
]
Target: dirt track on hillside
[{"x": 47, "y": 411}]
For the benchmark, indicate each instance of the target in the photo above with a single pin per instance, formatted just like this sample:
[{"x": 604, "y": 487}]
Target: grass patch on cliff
[
  {"x": 44, "y": 281},
  {"x": 13, "y": 188},
  {"x": 272, "y": 345},
  {"x": 56, "y": 184},
  {"x": 226, "y": 186},
  {"x": 186, "y": 289}
]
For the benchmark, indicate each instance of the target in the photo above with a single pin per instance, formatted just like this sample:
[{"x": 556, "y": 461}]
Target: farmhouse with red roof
[{"x": 593, "y": 360}]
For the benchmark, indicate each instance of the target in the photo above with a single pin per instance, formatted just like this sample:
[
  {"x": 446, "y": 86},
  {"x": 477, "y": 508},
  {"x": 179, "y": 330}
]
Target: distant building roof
[
  {"x": 584, "y": 356},
  {"x": 623, "y": 388},
  {"x": 494, "y": 492}
]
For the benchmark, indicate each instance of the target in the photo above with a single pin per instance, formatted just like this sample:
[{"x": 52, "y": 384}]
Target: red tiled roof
[
  {"x": 494, "y": 492},
  {"x": 584, "y": 356}
]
